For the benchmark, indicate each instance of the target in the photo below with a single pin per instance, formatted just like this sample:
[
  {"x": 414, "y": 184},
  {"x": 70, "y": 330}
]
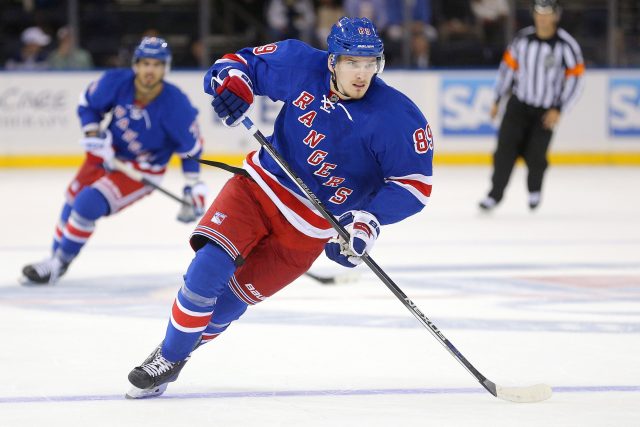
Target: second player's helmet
[
  {"x": 355, "y": 37},
  {"x": 155, "y": 48},
  {"x": 545, "y": 6}
]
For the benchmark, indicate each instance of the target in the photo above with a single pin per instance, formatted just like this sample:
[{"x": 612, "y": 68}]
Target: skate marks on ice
[{"x": 616, "y": 297}]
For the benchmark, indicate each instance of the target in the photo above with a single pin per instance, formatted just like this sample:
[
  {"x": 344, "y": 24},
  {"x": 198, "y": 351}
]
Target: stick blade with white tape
[{"x": 530, "y": 394}]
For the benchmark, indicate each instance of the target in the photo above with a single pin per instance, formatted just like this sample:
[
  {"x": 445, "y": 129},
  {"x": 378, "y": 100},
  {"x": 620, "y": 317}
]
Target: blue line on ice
[{"x": 308, "y": 393}]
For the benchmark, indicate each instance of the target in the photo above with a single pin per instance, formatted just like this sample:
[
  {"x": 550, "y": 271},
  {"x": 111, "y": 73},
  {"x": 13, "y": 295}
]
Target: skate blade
[
  {"x": 24, "y": 281},
  {"x": 143, "y": 393}
]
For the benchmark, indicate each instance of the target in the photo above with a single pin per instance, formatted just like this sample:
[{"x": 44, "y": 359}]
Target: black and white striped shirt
[{"x": 542, "y": 73}]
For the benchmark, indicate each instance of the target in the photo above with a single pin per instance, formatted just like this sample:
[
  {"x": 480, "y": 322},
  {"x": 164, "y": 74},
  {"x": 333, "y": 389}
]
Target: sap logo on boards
[
  {"x": 465, "y": 106},
  {"x": 624, "y": 107}
]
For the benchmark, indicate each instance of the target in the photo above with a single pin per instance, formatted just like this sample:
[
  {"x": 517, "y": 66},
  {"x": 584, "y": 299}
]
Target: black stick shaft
[
  {"x": 165, "y": 192},
  {"x": 324, "y": 280},
  {"x": 410, "y": 305},
  {"x": 138, "y": 176}
]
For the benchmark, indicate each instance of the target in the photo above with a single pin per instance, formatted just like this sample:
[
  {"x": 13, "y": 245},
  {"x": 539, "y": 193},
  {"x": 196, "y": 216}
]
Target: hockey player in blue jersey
[
  {"x": 151, "y": 120},
  {"x": 361, "y": 146}
]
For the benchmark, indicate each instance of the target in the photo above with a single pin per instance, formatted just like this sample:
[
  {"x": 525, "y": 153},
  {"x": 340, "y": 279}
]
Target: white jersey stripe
[
  {"x": 241, "y": 293},
  {"x": 220, "y": 238},
  {"x": 296, "y": 218},
  {"x": 418, "y": 185},
  {"x": 413, "y": 190}
]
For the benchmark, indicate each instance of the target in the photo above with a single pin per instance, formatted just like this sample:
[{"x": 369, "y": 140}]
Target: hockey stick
[
  {"x": 333, "y": 280},
  {"x": 534, "y": 393},
  {"x": 138, "y": 176}
]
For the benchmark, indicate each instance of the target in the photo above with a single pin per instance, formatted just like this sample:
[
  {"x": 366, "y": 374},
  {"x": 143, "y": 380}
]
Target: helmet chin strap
[{"x": 334, "y": 80}]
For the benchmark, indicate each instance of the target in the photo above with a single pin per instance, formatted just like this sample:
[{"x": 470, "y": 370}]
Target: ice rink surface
[{"x": 551, "y": 296}]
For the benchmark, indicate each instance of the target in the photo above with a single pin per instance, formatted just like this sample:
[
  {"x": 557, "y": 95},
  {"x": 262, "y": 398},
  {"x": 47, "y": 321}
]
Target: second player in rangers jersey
[{"x": 151, "y": 119}]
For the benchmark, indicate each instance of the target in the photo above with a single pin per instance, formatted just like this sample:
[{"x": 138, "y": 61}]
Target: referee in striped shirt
[{"x": 542, "y": 69}]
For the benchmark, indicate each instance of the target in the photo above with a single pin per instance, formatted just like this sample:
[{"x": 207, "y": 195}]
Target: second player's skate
[{"x": 46, "y": 272}]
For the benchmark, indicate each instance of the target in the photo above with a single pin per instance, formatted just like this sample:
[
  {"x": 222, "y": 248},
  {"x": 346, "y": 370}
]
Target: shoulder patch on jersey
[
  {"x": 267, "y": 48},
  {"x": 218, "y": 218}
]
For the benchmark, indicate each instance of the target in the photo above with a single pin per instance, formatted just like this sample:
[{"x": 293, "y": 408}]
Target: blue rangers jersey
[
  {"x": 373, "y": 154},
  {"x": 146, "y": 135}
]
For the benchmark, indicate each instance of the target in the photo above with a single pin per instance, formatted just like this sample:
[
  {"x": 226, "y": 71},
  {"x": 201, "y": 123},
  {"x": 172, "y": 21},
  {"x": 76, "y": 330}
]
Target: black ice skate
[
  {"x": 152, "y": 377},
  {"x": 46, "y": 272}
]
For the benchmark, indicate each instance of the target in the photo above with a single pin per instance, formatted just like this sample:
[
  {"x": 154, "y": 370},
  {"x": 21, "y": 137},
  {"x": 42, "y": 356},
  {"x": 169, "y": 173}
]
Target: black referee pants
[{"x": 521, "y": 135}]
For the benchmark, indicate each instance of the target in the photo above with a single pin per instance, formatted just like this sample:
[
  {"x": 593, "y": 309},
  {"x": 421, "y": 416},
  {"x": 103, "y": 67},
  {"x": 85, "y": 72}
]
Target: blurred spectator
[
  {"x": 31, "y": 55},
  {"x": 193, "y": 57},
  {"x": 420, "y": 49},
  {"x": 459, "y": 43},
  {"x": 492, "y": 16},
  {"x": 124, "y": 54},
  {"x": 292, "y": 19},
  {"x": 375, "y": 10},
  {"x": 33, "y": 5},
  {"x": 329, "y": 12},
  {"x": 421, "y": 32},
  {"x": 455, "y": 20},
  {"x": 68, "y": 56},
  {"x": 151, "y": 32},
  {"x": 196, "y": 49}
]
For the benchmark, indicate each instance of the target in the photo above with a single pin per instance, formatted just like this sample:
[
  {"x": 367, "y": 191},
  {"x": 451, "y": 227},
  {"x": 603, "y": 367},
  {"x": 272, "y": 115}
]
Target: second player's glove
[
  {"x": 100, "y": 146},
  {"x": 363, "y": 228},
  {"x": 195, "y": 194},
  {"x": 234, "y": 97}
]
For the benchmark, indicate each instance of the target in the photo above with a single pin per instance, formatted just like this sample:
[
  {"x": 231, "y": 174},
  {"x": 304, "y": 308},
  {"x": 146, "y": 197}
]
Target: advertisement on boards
[
  {"x": 465, "y": 104},
  {"x": 624, "y": 107}
]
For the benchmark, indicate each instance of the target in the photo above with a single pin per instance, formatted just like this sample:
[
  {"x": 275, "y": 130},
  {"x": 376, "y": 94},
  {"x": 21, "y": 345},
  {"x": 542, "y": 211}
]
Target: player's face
[
  {"x": 149, "y": 72},
  {"x": 354, "y": 74}
]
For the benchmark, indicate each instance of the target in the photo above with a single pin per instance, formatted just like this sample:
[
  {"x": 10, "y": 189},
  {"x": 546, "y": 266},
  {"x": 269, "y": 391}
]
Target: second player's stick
[
  {"x": 333, "y": 280},
  {"x": 138, "y": 176},
  {"x": 534, "y": 393}
]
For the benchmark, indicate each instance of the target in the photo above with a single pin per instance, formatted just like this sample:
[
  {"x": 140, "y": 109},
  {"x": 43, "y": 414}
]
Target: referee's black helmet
[{"x": 545, "y": 6}]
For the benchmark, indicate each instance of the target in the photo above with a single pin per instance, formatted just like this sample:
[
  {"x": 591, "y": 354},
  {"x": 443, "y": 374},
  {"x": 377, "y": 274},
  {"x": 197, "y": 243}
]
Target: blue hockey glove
[
  {"x": 100, "y": 146},
  {"x": 194, "y": 193},
  {"x": 234, "y": 97},
  {"x": 363, "y": 228}
]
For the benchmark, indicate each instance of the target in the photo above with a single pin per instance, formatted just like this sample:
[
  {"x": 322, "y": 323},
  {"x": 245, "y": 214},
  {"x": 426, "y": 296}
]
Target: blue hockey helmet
[
  {"x": 355, "y": 37},
  {"x": 155, "y": 48}
]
